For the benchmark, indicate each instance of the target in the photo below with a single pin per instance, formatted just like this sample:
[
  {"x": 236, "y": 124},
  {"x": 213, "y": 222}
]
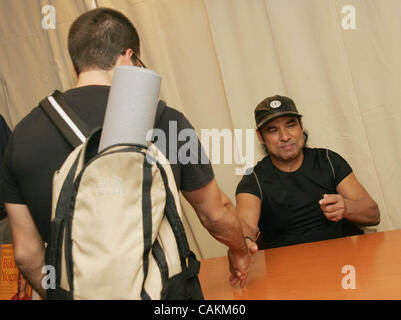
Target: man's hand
[
  {"x": 334, "y": 207},
  {"x": 239, "y": 265},
  {"x": 252, "y": 246}
]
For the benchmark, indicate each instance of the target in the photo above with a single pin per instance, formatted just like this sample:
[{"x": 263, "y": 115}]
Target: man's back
[{"x": 37, "y": 149}]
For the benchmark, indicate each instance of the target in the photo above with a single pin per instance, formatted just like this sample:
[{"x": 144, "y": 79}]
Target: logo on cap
[{"x": 275, "y": 104}]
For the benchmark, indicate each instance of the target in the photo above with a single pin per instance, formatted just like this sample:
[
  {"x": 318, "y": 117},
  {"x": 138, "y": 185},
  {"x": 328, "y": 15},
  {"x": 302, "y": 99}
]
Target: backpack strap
[
  {"x": 70, "y": 125},
  {"x": 66, "y": 120}
]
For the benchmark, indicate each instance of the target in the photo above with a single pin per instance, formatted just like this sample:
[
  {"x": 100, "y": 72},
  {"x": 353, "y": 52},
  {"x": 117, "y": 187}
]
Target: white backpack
[{"x": 116, "y": 229}]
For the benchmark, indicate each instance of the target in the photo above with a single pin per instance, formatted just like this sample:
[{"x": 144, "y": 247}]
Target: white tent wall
[{"x": 219, "y": 58}]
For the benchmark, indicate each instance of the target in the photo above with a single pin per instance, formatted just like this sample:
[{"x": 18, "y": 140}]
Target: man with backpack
[{"x": 99, "y": 41}]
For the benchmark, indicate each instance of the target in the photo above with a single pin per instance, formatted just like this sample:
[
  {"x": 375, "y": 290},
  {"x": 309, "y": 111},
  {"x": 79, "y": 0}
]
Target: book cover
[{"x": 13, "y": 285}]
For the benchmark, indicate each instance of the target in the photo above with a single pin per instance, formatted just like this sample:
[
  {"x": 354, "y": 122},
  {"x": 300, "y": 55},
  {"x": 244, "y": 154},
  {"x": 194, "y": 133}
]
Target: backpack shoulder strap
[{"x": 73, "y": 129}]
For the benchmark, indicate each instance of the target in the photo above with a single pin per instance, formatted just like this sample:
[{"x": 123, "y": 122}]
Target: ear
[
  {"x": 125, "y": 58},
  {"x": 260, "y": 137},
  {"x": 128, "y": 56}
]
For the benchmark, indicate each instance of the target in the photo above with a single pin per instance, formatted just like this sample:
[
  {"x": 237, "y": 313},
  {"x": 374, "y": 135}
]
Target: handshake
[{"x": 241, "y": 261}]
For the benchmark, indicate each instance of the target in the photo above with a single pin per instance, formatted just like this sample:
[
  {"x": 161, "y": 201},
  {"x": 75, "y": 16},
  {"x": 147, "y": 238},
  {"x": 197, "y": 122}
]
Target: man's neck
[
  {"x": 290, "y": 165},
  {"x": 94, "y": 78}
]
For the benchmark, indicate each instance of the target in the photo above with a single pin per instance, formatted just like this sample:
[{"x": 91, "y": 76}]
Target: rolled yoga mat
[{"x": 132, "y": 106}]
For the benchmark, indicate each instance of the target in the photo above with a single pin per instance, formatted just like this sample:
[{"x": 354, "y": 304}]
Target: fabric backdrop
[{"x": 220, "y": 58}]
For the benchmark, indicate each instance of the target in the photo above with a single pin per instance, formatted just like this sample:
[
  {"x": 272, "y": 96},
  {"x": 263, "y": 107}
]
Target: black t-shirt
[
  {"x": 4, "y": 134},
  {"x": 36, "y": 149},
  {"x": 290, "y": 212}
]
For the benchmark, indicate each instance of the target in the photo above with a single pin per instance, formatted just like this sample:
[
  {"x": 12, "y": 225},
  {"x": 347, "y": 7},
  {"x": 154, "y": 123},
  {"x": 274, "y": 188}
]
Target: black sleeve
[
  {"x": 341, "y": 167},
  {"x": 4, "y": 135},
  {"x": 9, "y": 190},
  {"x": 196, "y": 170},
  {"x": 249, "y": 184}
]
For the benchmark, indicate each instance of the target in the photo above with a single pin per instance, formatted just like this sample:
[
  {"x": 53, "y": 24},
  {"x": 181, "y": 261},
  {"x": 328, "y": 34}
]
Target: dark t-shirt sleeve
[
  {"x": 248, "y": 184},
  {"x": 4, "y": 135},
  {"x": 341, "y": 167},
  {"x": 195, "y": 172},
  {"x": 9, "y": 190}
]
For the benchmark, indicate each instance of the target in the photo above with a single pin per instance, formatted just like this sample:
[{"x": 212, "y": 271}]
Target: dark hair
[
  {"x": 98, "y": 37},
  {"x": 305, "y": 134}
]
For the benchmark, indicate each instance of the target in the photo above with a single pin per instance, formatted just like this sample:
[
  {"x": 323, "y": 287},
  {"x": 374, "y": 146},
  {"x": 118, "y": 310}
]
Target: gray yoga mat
[{"x": 132, "y": 106}]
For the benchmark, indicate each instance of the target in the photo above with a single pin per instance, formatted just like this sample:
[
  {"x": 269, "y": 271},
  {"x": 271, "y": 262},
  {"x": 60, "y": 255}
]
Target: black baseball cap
[{"x": 274, "y": 107}]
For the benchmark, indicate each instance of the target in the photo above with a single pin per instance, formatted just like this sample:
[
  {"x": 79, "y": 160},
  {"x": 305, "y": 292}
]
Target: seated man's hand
[
  {"x": 333, "y": 206},
  {"x": 252, "y": 246}
]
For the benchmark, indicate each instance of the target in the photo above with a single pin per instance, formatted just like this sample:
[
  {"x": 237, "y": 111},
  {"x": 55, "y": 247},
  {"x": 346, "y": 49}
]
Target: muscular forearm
[
  {"x": 29, "y": 249},
  {"x": 248, "y": 210},
  {"x": 363, "y": 211},
  {"x": 247, "y": 229},
  {"x": 31, "y": 269},
  {"x": 225, "y": 226},
  {"x": 219, "y": 217},
  {"x": 352, "y": 203}
]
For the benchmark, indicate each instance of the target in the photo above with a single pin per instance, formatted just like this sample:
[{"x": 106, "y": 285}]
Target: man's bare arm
[
  {"x": 352, "y": 203},
  {"x": 218, "y": 216},
  {"x": 29, "y": 249},
  {"x": 248, "y": 209}
]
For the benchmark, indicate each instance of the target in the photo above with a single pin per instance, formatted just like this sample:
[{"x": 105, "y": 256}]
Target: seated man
[{"x": 297, "y": 194}]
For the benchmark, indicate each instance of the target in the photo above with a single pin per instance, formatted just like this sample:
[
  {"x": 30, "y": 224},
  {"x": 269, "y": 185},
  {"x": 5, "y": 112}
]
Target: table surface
[{"x": 315, "y": 271}]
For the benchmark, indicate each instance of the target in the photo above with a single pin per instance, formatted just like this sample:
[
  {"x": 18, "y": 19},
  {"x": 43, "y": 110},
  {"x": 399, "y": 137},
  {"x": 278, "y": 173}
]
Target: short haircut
[{"x": 98, "y": 37}]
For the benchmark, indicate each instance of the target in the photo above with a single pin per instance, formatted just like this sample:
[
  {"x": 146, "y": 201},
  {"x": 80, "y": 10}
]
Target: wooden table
[{"x": 314, "y": 271}]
